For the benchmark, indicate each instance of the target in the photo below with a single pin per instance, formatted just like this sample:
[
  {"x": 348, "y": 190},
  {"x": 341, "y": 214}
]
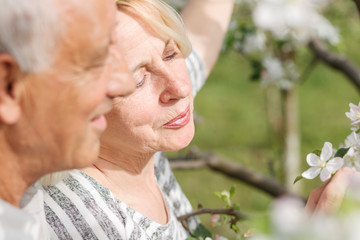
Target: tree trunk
[
  {"x": 275, "y": 131},
  {"x": 291, "y": 139}
]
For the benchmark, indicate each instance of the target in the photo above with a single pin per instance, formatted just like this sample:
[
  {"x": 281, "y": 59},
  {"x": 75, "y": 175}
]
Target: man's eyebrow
[
  {"x": 99, "y": 54},
  {"x": 137, "y": 66}
]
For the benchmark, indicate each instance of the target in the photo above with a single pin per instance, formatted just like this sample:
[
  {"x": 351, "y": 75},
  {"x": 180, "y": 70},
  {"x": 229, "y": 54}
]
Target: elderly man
[{"x": 58, "y": 74}]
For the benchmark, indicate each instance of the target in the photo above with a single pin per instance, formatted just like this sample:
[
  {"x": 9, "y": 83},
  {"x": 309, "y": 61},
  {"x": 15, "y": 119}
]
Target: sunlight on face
[{"x": 158, "y": 115}]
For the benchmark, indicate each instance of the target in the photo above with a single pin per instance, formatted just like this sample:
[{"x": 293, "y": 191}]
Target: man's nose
[{"x": 121, "y": 82}]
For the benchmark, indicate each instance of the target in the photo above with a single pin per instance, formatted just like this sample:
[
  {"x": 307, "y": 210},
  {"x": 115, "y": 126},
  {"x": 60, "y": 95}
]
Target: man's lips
[
  {"x": 99, "y": 122},
  {"x": 180, "y": 120}
]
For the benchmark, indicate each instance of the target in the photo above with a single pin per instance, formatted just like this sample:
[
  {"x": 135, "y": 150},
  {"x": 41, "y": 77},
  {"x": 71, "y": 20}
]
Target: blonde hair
[{"x": 172, "y": 25}]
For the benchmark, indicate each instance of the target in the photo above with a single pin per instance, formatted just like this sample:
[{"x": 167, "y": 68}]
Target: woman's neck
[
  {"x": 118, "y": 170},
  {"x": 133, "y": 163}
]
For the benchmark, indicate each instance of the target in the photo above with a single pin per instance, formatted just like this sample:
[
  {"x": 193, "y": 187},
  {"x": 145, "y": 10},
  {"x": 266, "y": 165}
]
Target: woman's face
[{"x": 158, "y": 115}]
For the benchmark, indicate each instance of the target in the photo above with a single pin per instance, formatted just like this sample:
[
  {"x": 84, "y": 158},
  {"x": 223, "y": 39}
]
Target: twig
[
  {"x": 349, "y": 69},
  {"x": 308, "y": 69},
  {"x": 231, "y": 212}
]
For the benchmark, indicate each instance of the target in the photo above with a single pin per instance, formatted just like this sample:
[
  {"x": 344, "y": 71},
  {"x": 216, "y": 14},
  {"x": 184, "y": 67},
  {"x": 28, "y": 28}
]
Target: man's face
[{"x": 62, "y": 108}]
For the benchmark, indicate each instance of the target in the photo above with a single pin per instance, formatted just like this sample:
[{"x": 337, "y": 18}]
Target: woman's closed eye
[
  {"x": 171, "y": 56},
  {"x": 142, "y": 80}
]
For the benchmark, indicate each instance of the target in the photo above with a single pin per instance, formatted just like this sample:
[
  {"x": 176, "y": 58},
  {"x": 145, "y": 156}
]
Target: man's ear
[{"x": 9, "y": 104}]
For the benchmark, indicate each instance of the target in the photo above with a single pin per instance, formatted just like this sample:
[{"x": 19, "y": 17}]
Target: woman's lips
[{"x": 180, "y": 120}]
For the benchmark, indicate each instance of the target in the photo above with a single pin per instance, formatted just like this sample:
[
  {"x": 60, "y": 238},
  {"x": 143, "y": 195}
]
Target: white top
[{"x": 27, "y": 222}]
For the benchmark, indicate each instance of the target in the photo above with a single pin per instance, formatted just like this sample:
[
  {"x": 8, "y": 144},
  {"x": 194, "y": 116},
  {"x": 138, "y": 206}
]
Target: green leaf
[
  {"x": 218, "y": 194},
  {"x": 224, "y": 219},
  {"x": 341, "y": 152},
  {"x": 317, "y": 152},
  {"x": 191, "y": 238},
  {"x": 232, "y": 190},
  {"x": 298, "y": 178},
  {"x": 257, "y": 68},
  {"x": 236, "y": 206},
  {"x": 201, "y": 231},
  {"x": 235, "y": 228}
]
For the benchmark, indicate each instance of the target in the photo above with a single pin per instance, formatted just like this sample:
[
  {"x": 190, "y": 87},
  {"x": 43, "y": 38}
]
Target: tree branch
[
  {"x": 357, "y": 2},
  {"x": 349, "y": 69},
  {"x": 231, "y": 169}
]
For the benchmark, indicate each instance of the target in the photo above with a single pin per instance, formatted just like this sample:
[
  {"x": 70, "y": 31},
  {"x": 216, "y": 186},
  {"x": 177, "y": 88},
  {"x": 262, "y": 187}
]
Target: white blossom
[
  {"x": 354, "y": 114},
  {"x": 254, "y": 42},
  {"x": 287, "y": 214},
  {"x": 324, "y": 164},
  {"x": 297, "y": 20},
  {"x": 353, "y": 141},
  {"x": 277, "y": 73},
  {"x": 273, "y": 71},
  {"x": 352, "y": 158},
  {"x": 218, "y": 237},
  {"x": 290, "y": 221}
]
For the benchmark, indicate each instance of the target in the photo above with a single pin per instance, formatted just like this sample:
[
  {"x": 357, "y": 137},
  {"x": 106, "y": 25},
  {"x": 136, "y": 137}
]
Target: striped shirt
[{"x": 79, "y": 207}]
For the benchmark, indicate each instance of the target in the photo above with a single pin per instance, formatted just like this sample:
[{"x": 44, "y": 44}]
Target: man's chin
[{"x": 87, "y": 156}]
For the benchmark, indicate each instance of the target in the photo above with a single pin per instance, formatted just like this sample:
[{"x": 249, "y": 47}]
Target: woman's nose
[
  {"x": 121, "y": 82},
  {"x": 177, "y": 86}
]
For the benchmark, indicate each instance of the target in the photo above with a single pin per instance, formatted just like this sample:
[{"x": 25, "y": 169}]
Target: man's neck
[
  {"x": 13, "y": 178},
  {"x": 11, "y": 188}
]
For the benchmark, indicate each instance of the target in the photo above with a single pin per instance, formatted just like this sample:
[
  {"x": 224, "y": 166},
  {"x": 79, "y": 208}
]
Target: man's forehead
[
  {"x": 101, "y": 8},
  {"x": 88, "y": 30}
]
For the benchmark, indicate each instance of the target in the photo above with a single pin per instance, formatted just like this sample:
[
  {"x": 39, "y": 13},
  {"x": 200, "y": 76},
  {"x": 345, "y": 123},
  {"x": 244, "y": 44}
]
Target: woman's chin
[{"x": 179, "y": 142}]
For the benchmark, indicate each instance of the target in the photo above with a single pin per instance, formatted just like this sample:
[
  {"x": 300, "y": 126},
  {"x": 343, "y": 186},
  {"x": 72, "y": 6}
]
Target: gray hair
[{"x": 29, "y": 31}]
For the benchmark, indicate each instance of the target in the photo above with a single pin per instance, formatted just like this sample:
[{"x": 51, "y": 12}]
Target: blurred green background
[{"x": 234, "y": 121}]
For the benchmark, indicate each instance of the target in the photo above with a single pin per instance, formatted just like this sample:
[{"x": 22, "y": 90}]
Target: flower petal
[
  {"x": 334, "y": 164},
  {"x": 312, "y": 159},
  {"x": 357, "y": 165},
  {"x": 350, "y": 115},
  {"x": 357, "y": 122},
  {"x": 350, "y": 152},
  {"x": 348, "y": 161},
  {"x": 326, "y": 152},
  {"x": 311, "y": 173},
  {"x": 325, "y": 174}
]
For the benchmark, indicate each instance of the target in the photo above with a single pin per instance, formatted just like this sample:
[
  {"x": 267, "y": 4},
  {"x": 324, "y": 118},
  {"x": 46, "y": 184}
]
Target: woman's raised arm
[{"x": 206, "y": 22}]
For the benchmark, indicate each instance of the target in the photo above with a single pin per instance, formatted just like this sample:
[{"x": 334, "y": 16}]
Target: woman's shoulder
[
  {"x": 76, "y": 185},
  {"x": 196, "y": 70},
  {"x": 79, "y": 207}
]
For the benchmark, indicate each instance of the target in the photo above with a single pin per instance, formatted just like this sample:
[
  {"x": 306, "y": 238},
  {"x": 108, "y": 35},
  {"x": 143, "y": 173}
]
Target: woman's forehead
[
  {"x": 137, "y": 40},
  {"x": 131, "y": 21}
]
